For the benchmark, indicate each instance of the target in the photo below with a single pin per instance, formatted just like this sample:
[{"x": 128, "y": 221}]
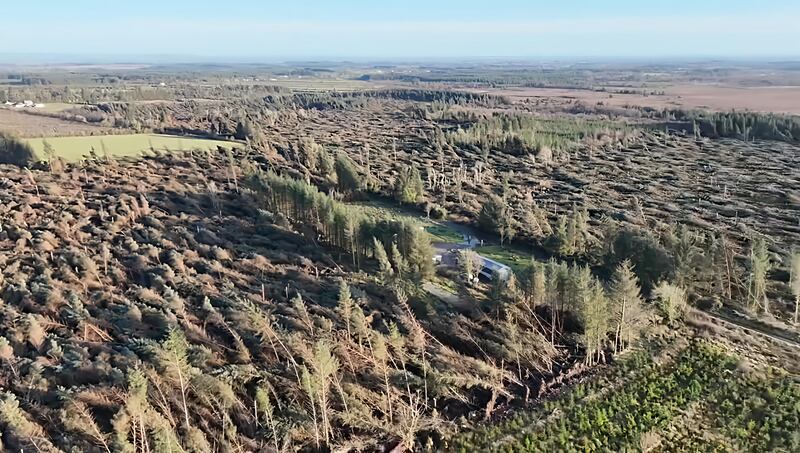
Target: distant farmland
[{"x": 77, "y": 148}]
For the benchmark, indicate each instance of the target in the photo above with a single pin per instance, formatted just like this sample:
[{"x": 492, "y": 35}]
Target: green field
[
  {"x": 442, "y": 233},
  {"x": 77, "y": 148}
]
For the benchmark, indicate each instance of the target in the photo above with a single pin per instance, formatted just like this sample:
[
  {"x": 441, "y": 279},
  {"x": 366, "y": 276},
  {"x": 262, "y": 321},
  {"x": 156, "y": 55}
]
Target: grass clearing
[
  {"x": 130, "y": 145},
  {"x": 446, "y": 284},
  {"x": 436, "y": 231},
  {"x": 443, "y": 233},
  {"x": 517, "y": 261}
]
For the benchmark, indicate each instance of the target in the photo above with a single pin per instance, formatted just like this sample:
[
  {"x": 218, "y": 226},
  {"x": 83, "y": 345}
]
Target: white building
[{"x": 490, "y": 268}]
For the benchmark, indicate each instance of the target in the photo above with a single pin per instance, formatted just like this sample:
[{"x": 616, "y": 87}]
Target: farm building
[
  {"x": 27, "y": 104},
  {"x": 491, "y": 268}
]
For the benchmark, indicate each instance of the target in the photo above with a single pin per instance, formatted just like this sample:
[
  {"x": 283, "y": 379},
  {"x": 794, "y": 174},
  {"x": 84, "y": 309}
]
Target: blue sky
[{"x": 251, "y": 29}]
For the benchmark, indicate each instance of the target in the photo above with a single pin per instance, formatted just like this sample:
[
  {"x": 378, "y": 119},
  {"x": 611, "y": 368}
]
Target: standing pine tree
[
  {"x": 50, "y": 153},
  {"x": 408, "y": 186},
  {"x": 399, "y": 262},
  {"x": 344, "y": 307},
  {"x": 684, "y": 247},
  {"x": 384, "y": 265},
  {"x": 470, "y": 264},
  {"x": 534, "y": 284},
  {"x": 759, "y": 266},
  {"x": 627, "y": 308},
  {"x": 347, "y": 179},
  {"x": 420, "y": 255},
  {"x": 671, "y": 299},
  {"x": 495, "y": 216},
  {"x": 795, "y": 283},
  {"x": 594, "y": 314}
]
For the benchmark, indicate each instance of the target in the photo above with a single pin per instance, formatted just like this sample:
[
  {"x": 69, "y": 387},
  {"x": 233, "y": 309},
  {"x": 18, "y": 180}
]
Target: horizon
[
  {"x": 357, "y": 30},
  {"x": 44, "y": 60}
]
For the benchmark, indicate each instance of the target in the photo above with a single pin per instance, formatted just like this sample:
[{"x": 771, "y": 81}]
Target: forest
[{"x": 413, "y": 261}]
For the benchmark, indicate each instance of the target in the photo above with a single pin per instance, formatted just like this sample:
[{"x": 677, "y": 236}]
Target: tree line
[
  {"x": 741, "y": 125},
  {"x": 526, "y": 134},
  {"x": 345, "y": 227}
]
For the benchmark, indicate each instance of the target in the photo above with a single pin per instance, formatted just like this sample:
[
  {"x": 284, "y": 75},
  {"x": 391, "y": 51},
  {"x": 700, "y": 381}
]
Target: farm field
[
  {"x": 77, "y": 148},
  {"x": 55, "y": 107},
  {"x": 32, "y": 125},
  {"x": 315, "y": 84},
  {"x": 779, "y": 99}
]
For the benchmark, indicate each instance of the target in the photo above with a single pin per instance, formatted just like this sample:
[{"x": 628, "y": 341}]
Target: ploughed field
[
  {"x": 782, "y": 99},
  {"x": 34, "y": 125}
]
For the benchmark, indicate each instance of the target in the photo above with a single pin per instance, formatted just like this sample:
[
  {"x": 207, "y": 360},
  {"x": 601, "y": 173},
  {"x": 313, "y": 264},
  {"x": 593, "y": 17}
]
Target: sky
[{"x": 340, "y": 29}]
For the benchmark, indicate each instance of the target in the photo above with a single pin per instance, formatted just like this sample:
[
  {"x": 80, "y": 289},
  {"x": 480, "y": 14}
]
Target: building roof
[{"x": 492, "y": 264}]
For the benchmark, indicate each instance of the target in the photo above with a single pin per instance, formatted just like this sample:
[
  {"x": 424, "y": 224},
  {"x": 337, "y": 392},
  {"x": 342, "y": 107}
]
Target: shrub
[
  {"x": 671, "y": 299},
  {"x": 245, "y": 130},
  {"x": 15, "y": 152}
]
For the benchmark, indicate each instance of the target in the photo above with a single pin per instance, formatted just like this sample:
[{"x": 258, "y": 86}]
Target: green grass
[
  {"x": 446, "y": 284},
  {"x": 437, "y": 232},
  {"x": 77, "y": 148},
  {"x": 442, "y": 233},
  {"x": 517, "y": 261}
]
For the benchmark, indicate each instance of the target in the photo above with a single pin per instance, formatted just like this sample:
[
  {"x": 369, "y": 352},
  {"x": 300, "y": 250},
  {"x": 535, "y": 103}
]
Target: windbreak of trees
[
  {"x": 346, "y": 227},
  {"x": 743, "y": 125},
  {"x": 526, "y": 134},
  {"x": 612, "y": 317},
  {"x": 344, "y": 99},
  {"x": 122, "y": 91},
  {"x": 494, "y": 77},
  {"x": 445, "y": 96}
]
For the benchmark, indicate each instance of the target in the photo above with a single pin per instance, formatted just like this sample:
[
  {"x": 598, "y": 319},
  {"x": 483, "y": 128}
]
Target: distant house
[
  {"x": 491, "y": 268},
  {"x": 26, "y": 104}
]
